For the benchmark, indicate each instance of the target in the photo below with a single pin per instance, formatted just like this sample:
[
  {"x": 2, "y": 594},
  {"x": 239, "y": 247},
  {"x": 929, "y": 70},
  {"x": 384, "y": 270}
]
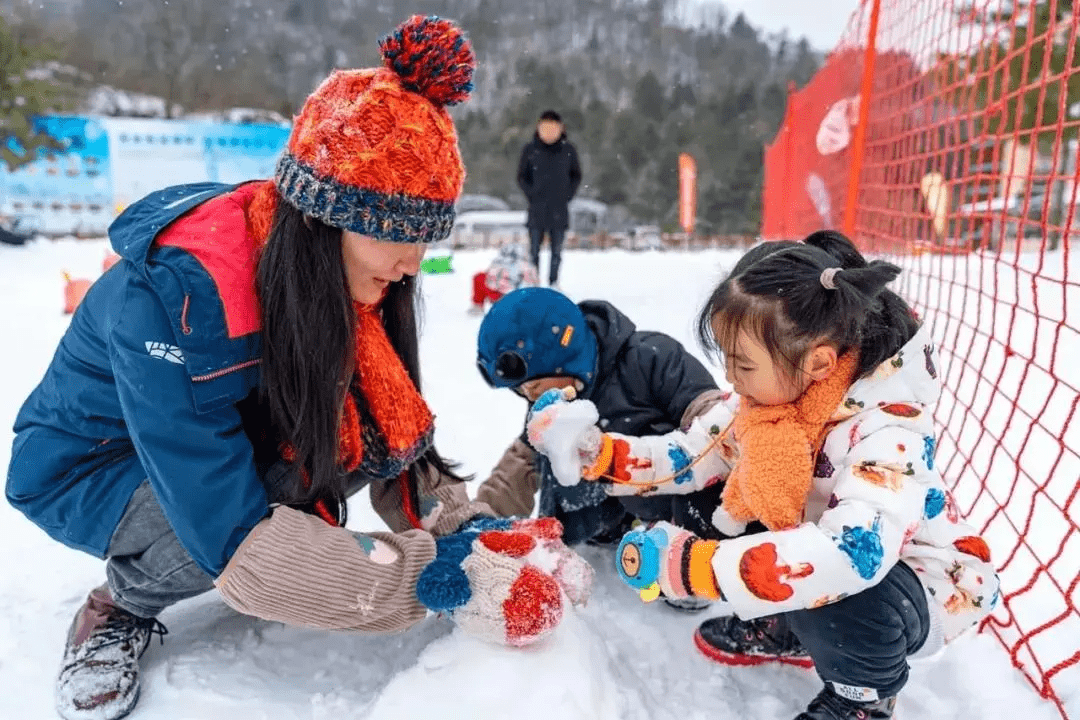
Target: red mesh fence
[{"x": 943, "y": 134}]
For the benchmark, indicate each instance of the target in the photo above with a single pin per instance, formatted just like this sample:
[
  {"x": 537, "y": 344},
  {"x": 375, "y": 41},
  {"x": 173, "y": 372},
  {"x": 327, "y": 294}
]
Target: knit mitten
[
  {"x": 668, "y": 559},
  {"x": 564, "y": 429},
  {"x": 503, "y": 580}
]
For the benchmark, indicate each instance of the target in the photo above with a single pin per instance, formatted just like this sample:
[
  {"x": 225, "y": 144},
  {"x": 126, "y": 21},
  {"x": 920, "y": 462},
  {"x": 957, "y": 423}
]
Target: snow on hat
[{"x": 374, "y": 150}]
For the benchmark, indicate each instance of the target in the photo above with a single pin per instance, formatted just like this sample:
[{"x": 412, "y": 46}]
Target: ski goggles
[{"x": 509, "y": 369}]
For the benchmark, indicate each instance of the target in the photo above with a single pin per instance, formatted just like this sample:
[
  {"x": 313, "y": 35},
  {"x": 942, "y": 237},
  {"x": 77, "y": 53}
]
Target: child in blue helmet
[{"x": 641, "y": 382}]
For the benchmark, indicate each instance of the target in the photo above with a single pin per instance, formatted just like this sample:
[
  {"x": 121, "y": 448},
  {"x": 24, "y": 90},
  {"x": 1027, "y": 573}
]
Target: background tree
[
  {"x": 28, "y": 88},
  {"x": 1024, "y": 80},
  {"x": 1026, "y": 43},
  {"x": 636, "y": 81}
]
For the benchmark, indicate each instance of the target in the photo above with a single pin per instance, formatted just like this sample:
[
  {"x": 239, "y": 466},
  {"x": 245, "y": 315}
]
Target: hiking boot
[
  {"x": 830, "y": 706},
  {"x": 99, "y": 679},
  {"x": 732, "y": 641}
]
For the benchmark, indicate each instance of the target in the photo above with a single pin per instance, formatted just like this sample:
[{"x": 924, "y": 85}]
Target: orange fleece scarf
[
  {"x": 400, "y": 414},
  {"x": 777, "y": 446}
]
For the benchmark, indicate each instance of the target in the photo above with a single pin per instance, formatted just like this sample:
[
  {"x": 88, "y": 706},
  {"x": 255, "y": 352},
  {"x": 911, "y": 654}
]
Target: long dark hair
[
  {"x": 775, "y": 293},
  {"x": 307, "y": 357}
]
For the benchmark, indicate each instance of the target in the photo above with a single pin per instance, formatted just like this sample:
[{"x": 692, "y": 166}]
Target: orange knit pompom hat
[{"x": 374, "y": 150}]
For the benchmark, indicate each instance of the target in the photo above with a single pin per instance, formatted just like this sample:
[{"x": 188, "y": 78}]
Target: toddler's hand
[
  {"x": 564, "y": 429},
  {"x": 665, "y": 558}
]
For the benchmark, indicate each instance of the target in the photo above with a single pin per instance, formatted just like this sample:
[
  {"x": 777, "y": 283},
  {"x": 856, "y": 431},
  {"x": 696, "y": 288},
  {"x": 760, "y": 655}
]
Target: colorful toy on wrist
[{"x": 667, "y": 559}]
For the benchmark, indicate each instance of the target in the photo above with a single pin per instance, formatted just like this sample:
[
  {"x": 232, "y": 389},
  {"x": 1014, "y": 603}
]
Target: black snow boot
[
  {"x": 830, "y": 706},
  {"x": 99, "y": 679},
  {"x": 731, "y": 641},
  {"x": 612, "y": 535},
  {"x": 688, "y": 605}
]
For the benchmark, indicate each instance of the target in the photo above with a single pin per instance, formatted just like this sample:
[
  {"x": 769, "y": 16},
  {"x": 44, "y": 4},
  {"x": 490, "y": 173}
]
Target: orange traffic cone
[{"x": 74, "y": 291}]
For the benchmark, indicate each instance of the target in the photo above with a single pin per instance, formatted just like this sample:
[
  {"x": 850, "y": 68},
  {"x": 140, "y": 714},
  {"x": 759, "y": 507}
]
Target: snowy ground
[{"x": 614, "y": 659}]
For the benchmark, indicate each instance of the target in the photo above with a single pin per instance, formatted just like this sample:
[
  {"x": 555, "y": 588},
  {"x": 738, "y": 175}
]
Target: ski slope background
[{"x": 616, "y": 658}]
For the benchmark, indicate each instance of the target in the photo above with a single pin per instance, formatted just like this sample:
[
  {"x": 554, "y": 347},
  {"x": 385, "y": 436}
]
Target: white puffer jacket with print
[{"x": 877, "y": 498}]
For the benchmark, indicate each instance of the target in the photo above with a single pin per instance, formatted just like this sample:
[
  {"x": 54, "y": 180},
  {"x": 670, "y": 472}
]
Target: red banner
[{"x": 687, "y": 192}]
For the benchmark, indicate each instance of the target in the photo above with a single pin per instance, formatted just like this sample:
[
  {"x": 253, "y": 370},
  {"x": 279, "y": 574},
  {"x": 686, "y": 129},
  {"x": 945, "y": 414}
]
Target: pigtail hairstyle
[
  {"x": 890, "y": 323},
  {"x": 722, "y": 293},
  {"x": 776, "y": 292}
]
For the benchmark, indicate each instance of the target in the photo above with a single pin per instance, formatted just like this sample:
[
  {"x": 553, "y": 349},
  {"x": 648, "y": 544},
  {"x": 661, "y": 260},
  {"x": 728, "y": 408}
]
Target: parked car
[
  {"x": 646, "y": 237},
  {"x": 986, "y": 223},
  {"x": 14, "y": 231}
]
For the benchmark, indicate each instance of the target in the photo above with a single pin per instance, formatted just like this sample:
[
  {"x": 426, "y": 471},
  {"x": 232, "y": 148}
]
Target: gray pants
[{"x": 148, "y": 569}]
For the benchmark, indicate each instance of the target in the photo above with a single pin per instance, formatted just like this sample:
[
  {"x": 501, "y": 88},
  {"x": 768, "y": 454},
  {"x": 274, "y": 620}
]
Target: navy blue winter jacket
[{"x": 149, "y": 382}]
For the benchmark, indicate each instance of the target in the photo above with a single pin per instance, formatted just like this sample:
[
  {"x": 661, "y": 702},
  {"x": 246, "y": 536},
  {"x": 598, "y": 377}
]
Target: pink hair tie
[{"x": 828, "y": 277}]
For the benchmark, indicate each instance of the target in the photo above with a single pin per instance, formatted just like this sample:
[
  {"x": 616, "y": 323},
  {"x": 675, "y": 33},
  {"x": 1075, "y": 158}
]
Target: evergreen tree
[
  {"x": 1008, "y": 75},
  {"x": 635, "y": 84},
  {"x": 27, "y": 90}
]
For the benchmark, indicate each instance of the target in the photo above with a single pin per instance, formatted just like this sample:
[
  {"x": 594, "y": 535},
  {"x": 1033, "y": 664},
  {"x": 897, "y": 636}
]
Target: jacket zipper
[
  {"x": 186, "y": 329},
  {"x": 225, "y": 371}
]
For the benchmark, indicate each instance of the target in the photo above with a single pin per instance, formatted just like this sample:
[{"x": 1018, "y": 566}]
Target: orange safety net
[{"x": 946, "y": 139}]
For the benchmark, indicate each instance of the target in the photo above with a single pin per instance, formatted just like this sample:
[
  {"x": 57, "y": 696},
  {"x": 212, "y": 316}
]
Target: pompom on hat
[{"x": 374, "y": 151}]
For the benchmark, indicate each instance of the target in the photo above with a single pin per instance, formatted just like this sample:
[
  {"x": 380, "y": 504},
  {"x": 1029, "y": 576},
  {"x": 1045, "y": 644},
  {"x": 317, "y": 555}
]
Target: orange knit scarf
[
  {"x": 400, "y": 413},
  {"x": 401, "y": 416},
  {"x": 777, "y": 447}
]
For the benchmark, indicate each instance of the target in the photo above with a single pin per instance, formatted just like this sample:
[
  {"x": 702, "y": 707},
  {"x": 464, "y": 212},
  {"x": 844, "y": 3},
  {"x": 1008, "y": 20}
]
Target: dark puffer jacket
[
  {"x": 645, "y": 382},
  {"x": 549, "y": 175}
]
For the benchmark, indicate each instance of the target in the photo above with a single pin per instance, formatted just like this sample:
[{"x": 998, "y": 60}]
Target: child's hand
[
  {"x": 565, "y": 431},
  {"x": 668, "y": 559},
  {"x": 502, "y": 580}
]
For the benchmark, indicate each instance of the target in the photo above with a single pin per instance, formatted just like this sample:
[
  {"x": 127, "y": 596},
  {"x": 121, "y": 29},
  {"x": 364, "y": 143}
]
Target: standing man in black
[{"x": 549, "y": 175}]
